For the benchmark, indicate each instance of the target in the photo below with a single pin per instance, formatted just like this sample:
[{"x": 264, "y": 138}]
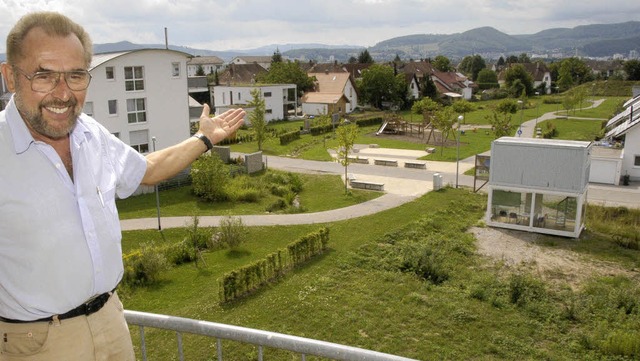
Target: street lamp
[
  {"x": 155, "y": 188},
  {"x": 535, "y": 128},
  {"x": 460, "y": 119},
  {"x": 521, "y": 115}
]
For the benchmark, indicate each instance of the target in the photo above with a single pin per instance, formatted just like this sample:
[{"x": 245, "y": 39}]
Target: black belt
[{"x": 87, "y": 308}]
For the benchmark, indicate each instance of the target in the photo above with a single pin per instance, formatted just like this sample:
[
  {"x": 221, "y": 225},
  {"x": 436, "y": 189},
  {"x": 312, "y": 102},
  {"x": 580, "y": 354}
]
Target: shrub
[
  {"x": 145, "y": 266},
  {"x": 210, "y": 176},
  {"x": 232, "y": 231}
]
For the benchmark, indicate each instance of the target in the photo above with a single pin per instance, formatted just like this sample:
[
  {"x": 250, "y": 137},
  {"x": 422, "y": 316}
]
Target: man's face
[{"x": 52, "y": 114}]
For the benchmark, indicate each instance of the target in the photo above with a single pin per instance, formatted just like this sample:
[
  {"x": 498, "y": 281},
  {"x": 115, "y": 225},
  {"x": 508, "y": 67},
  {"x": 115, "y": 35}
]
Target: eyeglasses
[{"x": 46, "y": 81}]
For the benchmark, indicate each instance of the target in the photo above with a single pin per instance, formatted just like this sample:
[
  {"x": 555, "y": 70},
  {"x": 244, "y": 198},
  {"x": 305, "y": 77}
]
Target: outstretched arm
[{"x": 166, "y": 163}]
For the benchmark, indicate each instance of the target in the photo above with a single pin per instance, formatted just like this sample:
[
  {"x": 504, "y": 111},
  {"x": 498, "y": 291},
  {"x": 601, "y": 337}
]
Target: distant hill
[
  {"x": 599, "y": 40},
  {"x": 587, "y": 40}
]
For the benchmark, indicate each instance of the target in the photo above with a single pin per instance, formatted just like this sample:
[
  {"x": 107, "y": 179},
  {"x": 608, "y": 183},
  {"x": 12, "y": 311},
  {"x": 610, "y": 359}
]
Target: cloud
[{"x": 243, "y": 24}]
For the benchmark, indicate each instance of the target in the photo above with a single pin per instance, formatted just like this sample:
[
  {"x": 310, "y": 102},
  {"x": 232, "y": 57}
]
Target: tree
[
  {"x": 500, "y": 118},
  {"x": 525, "y": 80},
  {"x": 353, "y": 60},
  {"x": 379, "y": 84},
  {"x": 443, "y": 120},
  {"x": 632, "y": 68},
  {"x": 428, "y": 87},
  {"x": 425, "y": 106},
  {"x": 346, "y": 135},
  {"x": 257, "y": 118},
  {"x": 200, "y": 70},
  {"x": 573, "y": 71},
  {"x": 524, "y": 58},
  {"x": 442, "y": 63},
  {"x": 472, "y": 65},
  {"x": 287, "y": 73},
  {"x": 487, "y": 79},
  {"x": 463, "y": 107},
  {"x": 276, "y": 57},
  {"x": 365, "y": 58}
]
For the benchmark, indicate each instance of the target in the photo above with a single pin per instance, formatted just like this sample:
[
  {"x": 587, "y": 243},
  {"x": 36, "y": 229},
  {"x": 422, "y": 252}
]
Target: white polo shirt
[{"x": 60, "y": 239}]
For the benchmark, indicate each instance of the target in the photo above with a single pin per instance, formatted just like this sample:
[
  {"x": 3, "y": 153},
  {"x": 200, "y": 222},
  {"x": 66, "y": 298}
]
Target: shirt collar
[{"x": 22, "y": 138}]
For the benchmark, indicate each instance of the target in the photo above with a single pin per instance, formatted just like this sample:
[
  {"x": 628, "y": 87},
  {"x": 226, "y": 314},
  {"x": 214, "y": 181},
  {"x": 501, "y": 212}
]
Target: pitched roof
[
  {"x": 323, "y": 98},
  {"x": 625, "y": 120},
  {"x": 240, "y": 73},
  {"x": 201, "y": 60},
  {"x": 537, "y": 70},
  {"x": 331, "y": 82},
  {"x": 253, "y": 59}
]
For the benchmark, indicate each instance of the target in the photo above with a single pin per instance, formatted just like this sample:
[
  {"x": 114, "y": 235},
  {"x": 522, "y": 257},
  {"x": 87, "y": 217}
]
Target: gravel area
[{"x": 524, "y": 249}]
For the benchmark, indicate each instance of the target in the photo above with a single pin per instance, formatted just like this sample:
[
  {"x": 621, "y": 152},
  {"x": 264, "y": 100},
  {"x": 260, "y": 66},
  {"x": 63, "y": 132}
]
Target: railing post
[
  {"x": 180, "y": 353},
  {"x": 143, "y": 345},
  {"x": 219, "y": 346}
]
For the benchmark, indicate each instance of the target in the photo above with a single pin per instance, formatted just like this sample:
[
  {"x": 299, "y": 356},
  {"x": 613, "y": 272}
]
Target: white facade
[
  {"x": 141, "y": 94},
  {"x": 277, "y": 98},
  {"x": 209, "y": 64},
  {"x": 538, "y": 185},
  {"x": 625, "y": 126}
]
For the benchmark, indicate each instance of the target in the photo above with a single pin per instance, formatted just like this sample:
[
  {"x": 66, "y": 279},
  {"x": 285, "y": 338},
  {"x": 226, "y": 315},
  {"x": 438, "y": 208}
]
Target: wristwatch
[{"x": 204, "y": 140}]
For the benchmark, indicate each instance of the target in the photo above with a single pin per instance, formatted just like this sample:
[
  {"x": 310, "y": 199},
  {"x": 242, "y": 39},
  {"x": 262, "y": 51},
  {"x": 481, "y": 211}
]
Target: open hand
[{"x": 221, "y": 126}]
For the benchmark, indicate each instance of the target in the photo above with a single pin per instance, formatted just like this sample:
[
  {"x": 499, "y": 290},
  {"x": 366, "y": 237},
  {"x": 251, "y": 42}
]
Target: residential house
[
  {"x": 333, "y": 93},
  {"x": 237, "y": 81},
  {"x": 624, "y": 128},
  {"x": 263, "y": 61},
  {"x": 280, "y": 99},
  {"x": 208, "y": 64},
  {"x": 538, "y": 185},
  {"x": 141, "y": 96},
  {"x": 448, "y": 84},
  {"x": 539, "y": 72}
]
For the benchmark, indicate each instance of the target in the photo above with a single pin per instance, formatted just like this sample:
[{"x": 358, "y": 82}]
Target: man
[{"x": 60, "y": 172}]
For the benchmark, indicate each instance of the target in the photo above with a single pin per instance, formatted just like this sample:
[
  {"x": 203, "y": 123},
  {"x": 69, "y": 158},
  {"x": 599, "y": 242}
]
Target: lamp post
[
  {"x": 155, "y": 188},
  {"x": 535, "y": 128},
  {"x": 521, "y": 115},
  {"x": 460, "y": 119}
]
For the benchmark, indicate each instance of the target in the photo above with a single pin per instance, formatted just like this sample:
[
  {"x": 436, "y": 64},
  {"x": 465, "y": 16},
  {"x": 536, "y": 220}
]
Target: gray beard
[{"x": 38, "y": 124}]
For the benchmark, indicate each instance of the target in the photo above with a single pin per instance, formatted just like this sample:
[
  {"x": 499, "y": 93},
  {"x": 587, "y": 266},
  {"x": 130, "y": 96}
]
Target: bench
[
  {"x": 417, "y": 165},
  {"x": 386, "y": 162},
  {"x": 367, "y": 185},
  {"x": 360, "y": 160}
]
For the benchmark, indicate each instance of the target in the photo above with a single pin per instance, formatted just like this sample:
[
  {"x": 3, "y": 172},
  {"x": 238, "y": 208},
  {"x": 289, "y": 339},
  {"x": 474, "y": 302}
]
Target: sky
[{"x": 248, "y": 24}]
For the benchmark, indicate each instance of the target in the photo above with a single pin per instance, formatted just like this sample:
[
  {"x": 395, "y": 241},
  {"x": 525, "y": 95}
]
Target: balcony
[{"x": 261, "y": 339}]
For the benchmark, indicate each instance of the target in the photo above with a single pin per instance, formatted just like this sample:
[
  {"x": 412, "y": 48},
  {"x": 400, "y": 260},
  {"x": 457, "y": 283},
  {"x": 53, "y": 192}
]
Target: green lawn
[
  {"x": 181, "y": 201},
  {"x": 375, "y": 289}
]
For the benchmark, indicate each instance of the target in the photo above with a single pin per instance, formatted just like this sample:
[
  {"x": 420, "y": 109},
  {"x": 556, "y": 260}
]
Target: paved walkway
[{"x": 401, "y": 185}]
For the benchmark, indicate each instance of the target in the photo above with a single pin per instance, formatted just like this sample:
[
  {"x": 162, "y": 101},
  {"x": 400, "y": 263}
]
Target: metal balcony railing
[{"x": 303, "y": 346}]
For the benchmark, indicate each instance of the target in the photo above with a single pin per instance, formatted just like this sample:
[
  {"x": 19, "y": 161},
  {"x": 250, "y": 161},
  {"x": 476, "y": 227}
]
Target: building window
[
  {"x": 175, "y": 70},
  {"x": 239, "y": 96},
  {"x": 88, "y": 108},
  {"x": 133, "y": 78},
  {"x": 110, "y": 73},
  {"x": 139, "y": 140},
  {"x": 267, "y": 94},
  {"x": 116, "y": 134},
  {"x": 268, "y": 111},
  {"x": 136, "y": 110},
  {"x": 113, "y": 107},
  {"x": 636, "y": 161}
]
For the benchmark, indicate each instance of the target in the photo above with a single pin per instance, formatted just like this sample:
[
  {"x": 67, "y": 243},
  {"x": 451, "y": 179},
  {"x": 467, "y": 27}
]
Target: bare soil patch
[{"x": 523, "y": 249}]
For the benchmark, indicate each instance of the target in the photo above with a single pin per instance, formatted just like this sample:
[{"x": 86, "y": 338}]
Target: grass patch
[
  {"x": 404, "y": 281},
  {"x": 182, "y": 202}
]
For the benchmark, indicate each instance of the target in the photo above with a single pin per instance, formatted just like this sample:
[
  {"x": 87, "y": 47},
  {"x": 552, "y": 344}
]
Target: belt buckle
[{"x": 95, "y": 304}]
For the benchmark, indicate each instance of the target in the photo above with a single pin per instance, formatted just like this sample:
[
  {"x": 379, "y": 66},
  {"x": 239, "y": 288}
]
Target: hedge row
[
  {"x": 321, "y": 129},
  {"x": 248, "y": 279},
  {"x": 289, "y": 137}
]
